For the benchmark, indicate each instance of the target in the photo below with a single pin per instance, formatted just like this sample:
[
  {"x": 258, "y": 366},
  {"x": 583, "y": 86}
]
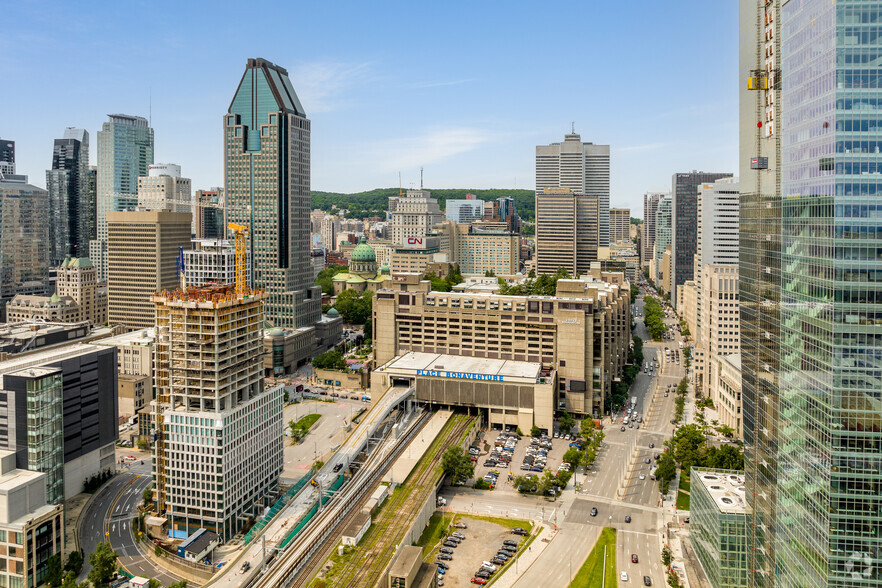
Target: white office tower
[
  {"x": 717, "y": 230},
  {"x": 164, "y": 189},
  {"x": 412, "y": 216},
  {"x": 581, "y": 167},
  {"x": 218, "y": 450}
]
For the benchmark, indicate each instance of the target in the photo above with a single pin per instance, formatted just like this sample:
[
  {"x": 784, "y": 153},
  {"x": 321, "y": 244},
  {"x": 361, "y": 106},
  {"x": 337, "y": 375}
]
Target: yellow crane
[{"x": 241, "y": 258}]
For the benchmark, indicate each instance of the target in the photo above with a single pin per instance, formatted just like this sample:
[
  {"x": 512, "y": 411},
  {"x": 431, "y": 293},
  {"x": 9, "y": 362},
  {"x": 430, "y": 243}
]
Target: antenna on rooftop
[
  {"x": 574, "y": 127},
  {"x": 421, "y": 177}
]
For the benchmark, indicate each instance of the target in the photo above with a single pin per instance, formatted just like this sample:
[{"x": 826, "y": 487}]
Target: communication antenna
[
  {"x": 421, "y": 177},
  {"x": 574, "y": 127}
]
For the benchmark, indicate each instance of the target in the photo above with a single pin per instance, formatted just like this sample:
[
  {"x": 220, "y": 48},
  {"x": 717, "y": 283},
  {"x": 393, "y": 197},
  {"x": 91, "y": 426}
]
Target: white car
[
  {"x": 624, "y": 576},
  {"x": 642, "y": 476},
  {"x": 488, "y": 566}
]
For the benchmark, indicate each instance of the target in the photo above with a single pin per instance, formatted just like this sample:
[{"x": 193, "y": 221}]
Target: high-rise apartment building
[
  {"x": 663, "y": 234},
  {"x": 412, "y": 215},
  {"x": 647, "y": 243},
  {"x": 619, "y": 225},
  {"x": 464, "y": 211},
  {"x": 809, "y": 297},
  {"x": 567, "y": 231},
  {"x": 329, "y": 230},
  {"x": 267, "y": 175},
  {"x": 68, "y": 186},
  {"x": 24, "y": 234},
  {"x": 219, "y": 447},
  {"x": 164, "y": 189},
  {"x": 684, "y": 224},
  {"x": 581, "y": 167},
  {"x": 142, "y": 252},
  {"x": 125, "y": 152}
]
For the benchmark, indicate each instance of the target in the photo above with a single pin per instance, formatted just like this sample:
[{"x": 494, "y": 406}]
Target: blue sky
[{"x": 464, "y": 89}]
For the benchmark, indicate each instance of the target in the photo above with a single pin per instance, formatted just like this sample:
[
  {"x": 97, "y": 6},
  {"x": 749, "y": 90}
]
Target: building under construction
[{"x": 218, "y": 449}]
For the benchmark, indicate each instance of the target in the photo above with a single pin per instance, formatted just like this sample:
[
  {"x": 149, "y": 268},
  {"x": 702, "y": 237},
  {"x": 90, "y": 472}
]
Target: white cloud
[
  {"x": 432, "y": 146},
  {"x": 323, "y": 86},
  {"x": 421, "y": 85}
]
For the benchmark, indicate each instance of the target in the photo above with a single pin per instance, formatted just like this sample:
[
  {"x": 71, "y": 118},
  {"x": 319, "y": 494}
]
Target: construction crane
[{"x": 241, "y": 258}]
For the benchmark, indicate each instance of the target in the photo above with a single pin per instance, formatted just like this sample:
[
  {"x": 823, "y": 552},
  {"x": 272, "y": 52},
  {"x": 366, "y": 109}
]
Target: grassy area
[
  {"x": 682, "y": 501},
  {"x": 591, "y": 574},
  {"x": 308, "y": 421},
  {"x": 684, "y": 482},
  {"x": 432, "y": 534},
  {"x": 507, "y": 523}
]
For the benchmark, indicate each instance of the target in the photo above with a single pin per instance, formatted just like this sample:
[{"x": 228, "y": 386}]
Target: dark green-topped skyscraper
[{"x": 266, "y": 172}]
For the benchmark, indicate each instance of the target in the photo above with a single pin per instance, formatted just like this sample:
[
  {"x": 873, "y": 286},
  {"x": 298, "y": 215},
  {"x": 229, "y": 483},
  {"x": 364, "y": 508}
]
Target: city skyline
[{"x": 453, "y": 103}]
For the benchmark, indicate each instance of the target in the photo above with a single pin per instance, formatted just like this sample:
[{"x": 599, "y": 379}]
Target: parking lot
[
  {"x": 513, "y": 468},
  {"x": 482, "y": 541}
]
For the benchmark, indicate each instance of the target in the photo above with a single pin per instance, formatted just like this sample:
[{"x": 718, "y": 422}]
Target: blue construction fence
[
  {"x": 278, "y": 506},
  {"x": 311, "y": 513}
]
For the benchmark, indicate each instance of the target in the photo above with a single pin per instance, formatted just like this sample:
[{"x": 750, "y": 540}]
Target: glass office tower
[{"x": 813, "y": 422}]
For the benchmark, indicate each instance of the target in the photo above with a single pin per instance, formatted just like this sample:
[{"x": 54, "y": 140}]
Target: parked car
[
  {"x": 460, "y": 526},
  {"x": 458, "y": 535},
  {"x": 445, "y": 550},
  {"x": 450, "y": 544},
  {"x": 520, "y": 531},
  {"x": 442, "y": 565},
  {"x": 445, "y": 556},
  {"x": 624, "y": 576},
  {"x": 477, "y": 580}
]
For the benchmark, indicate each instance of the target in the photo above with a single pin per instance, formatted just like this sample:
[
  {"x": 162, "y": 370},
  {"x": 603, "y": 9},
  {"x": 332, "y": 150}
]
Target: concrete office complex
[
  {"x": 68, "y": 186},
  {"x": 464, "y": 211},
  {"x": 619, "y": 225},
  {"x": 24, "y": 235},
  {"x": 412, "y": 215},
  {"x": 725, "y": 390},
  {"x": 267, "y": 175},
  {"x": 214, "y": 418},
  {"x": 581, "y": 167},
  {"x": 88, "y": 423},
  {"x": 31, "y": 530},
  {"x": 650, "y": 206},
  {"x": 719, "y": 331},
  {"x": 717, "y": 229},
  {"x": 583, "y": 333},
  {"x": 28, "y": 336},
  {"x": 662, "y": 236},
  {"x": 125, "y": 151},
  {"x": 684, "y": 224},
  {"x": 76, "y": 298},
  {"x": 212, "y": 261},
  {"x": 718, "y": 526},
  {"x": 142, "y": 256},
  {"x": 164, "y": 189},
  {"x": 478, "y": 251},
  {"x": 567, "y": 227}
]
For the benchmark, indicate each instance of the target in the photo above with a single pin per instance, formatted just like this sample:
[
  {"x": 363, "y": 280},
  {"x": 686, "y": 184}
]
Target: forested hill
[{"x": 375, "y": 202}]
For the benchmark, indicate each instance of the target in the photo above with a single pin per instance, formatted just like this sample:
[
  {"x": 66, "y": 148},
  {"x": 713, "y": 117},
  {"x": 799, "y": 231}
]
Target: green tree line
[{"x": 654, "y": 318}]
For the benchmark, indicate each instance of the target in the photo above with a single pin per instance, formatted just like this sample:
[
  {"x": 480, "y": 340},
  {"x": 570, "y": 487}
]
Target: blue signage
[{"x": 459, "y": 375}]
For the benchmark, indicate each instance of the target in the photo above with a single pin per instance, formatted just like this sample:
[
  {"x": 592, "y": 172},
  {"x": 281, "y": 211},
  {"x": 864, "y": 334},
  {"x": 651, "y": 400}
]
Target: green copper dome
[
  {"x": 332, "y": 312},
  {"x": 363, "y": 253}
]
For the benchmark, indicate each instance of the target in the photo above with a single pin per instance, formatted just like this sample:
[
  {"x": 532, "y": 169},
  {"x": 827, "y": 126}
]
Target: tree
[
  {"x": 355, "y": 308},
  {"x": 70, "y": 580},
  {"x": 54, "y": 576},
  {"x": 103, "y": 562},
  {"x": 482, "y": 484},
  {"x": 325, "y": 278},
  {"x": 545, "y": 484},
  {"x": 147, "y": 495},
  {"x": 535, "y": 431},
  {"x": 666, "y": 556},
  {"x": 572, "y": 455},
  {"x": 151, "y": 583},
  {"x": 457, "y": 464},
  {"x": 74, "y": 562},
  {"x": 665, "y": 472},
  {"x": 567, "y": 422},
  {"x": 726, "y": 430},
  {"x": 586, "y": 428},
  {"x": 142, "y": 445},
  {"x": 330, "y": 360},
  {"x": 179, "y": 584}
]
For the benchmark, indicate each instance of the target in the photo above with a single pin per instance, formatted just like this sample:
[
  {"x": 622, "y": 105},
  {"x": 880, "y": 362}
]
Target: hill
[{"x": 375, "y": 202}]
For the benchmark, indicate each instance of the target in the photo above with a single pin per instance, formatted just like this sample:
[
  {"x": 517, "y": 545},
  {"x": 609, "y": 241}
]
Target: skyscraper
[
  {"x": 650, "y": 205},
  {"x": 810, "y": 295},
  {"x": 68, "y": 186},
  {"x": 581, "y": 167},
  {"x": 717, "y": 229},
  {"x": 7, "y": 158},
  {"x": 567, "y": 229},
  {"x": 684, "y": 223},
  {"x": 267, "y": 174},
  {"x": 165, "y": 189},
  {"x": 412, "y": 215},
  {"x": 662, "y": 235},
  {"x": 24, "y": 233},
  {"x": 619, "y": 225},
  {"x": 125, "y": 152}
]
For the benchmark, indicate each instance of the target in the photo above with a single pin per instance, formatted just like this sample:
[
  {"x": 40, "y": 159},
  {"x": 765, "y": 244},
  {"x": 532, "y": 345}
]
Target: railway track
[
  {"x": 287, "y": 569},
  {"x": 373, "y": 554}
]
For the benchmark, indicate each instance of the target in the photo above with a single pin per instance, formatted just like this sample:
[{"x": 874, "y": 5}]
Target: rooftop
[
  {"x": 725, "y": 487},
  {"x": 734, "y": 360},
  {"x": 141, "y": 336},
  {"x": 464, "y": 365},
  {"x": 407, "y": 556},
  {"x": 40, "y": 357}
]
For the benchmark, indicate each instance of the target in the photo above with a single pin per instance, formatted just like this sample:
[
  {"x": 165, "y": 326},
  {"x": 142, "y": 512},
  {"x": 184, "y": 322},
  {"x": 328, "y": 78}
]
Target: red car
[
  {"x": 634, "y": 558},
  {"x": 479, "y": 581}
]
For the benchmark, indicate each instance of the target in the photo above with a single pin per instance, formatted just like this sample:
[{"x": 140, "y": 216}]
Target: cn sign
[{"x": 414, "y": 242}]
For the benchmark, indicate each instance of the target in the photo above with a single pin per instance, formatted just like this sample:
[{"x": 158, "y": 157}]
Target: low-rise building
[
  {"x": 405, "y": 567},
  {"x": 134, "y": 369},
  {"x": 28, "y": 336},
  {"x": 718, "y": 526},
  {"x": 31, "y": 530},
  {"x": 77, "y": 298}
]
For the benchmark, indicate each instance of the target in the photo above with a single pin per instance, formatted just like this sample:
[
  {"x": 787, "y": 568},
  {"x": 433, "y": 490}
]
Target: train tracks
[{"x": 365, "y": 566}]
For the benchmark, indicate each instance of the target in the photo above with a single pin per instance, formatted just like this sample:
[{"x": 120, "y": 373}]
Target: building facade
[
  {"x": 208, "y": 214},
  {"x": 567, "y": 231},
  {"x": 718, "y": 525},
  {"x": 412, "y": 215},
  {"x": 76, "y": 298},
  {"x": 581, "y": 167},
  {"x": 725, "y": 391},
  {"x": 164, "y": 189},
  {"x": 619, "y": 225},
  {"x": 266, "y": 189},
  {"x": 684, "y": 224},
  {"x": 718, "y": 205},
  {"x": 464, "y": 211},
  {"x": 583, "y": 332},
  {"x": 125, "y": 152},
  {"x": 68, "y": 186},
  {"x": 142, "y": 252},
  {"x": 134, "y": 370},
  {"x": 663, "y": 232},
  {"x": 214, "y": 417},
  {"x": 212, "y": 261},
  {"x": 24, "y": 234},
  {"x": 478, "y": 251},
  {"x": 7, "y": 158}
]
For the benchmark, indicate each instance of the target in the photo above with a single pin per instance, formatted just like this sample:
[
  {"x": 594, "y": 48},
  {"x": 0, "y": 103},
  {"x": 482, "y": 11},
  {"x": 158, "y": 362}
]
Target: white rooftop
[
  {"x": 466, "y": 365},
  {"x": 143, "y": 336},
  {"x": 726, "y": 488}
]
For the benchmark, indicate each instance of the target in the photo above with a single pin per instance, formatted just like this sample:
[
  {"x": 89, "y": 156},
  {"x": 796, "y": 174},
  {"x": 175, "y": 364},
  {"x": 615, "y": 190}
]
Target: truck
[{"x": 633, "y": 402}]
